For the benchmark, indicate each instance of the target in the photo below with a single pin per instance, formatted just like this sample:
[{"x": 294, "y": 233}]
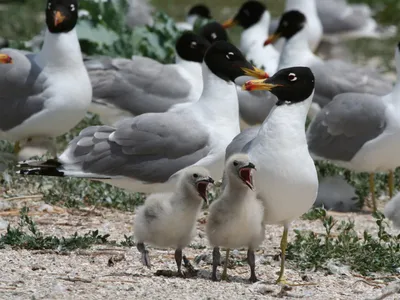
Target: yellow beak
[
  {"x": 259, "y": 85},
  {"x": 229, "y": 23},
  {"x": 58, "y": 18},
  {"x": 255, "y": 72},
  {"x": 272, "y": 39},
  {"x": 5, "y": 59}
]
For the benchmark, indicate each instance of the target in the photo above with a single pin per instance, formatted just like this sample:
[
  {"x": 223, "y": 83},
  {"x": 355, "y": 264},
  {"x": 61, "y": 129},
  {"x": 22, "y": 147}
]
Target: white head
[
  {"x": 239, "y": 170},
  {"x": 194, "y": 180}
]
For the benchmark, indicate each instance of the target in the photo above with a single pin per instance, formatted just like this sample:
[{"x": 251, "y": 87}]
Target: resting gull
[
  {"x": 360, "y": 132},
  {"x": 144, "y": 153},
  {"x": 195, "y": 12},
  {"x": 46, "y": 94}
]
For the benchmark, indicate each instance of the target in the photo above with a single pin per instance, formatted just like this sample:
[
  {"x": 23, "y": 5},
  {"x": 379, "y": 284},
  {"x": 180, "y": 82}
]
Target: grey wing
[
  {"x": 343, "y": 126},
  {"x": 242, "y": 141},
  {"x": 22, "y": 86},
  {"x": 338, "y": 17},
  {"x": 150, "y": 147},
  {"x": 138, "y": 86},
  {"x": 254, "y": 107},
  {"x": 336, "y": 77}
]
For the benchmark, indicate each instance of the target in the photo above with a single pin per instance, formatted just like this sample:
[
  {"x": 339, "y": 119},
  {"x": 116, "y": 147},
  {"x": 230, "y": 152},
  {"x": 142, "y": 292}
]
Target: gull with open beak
[
  {"x": 235, "y": 219},
  {"x": 44, "y": 95},
  {"x": 286, "y": 179},
  {"x": 169, "y": 220}
]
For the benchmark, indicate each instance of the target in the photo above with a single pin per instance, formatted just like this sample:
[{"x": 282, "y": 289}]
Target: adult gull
[{"x": 143, "y": 153}]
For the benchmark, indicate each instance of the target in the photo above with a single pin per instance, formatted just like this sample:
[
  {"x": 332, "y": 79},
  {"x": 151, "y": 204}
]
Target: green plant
[
  {"x": 365, "y": 255},
  {"x": 27, "y": 236}
]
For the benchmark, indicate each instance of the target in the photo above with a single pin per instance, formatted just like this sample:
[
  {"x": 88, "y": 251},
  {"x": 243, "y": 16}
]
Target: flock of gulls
[{"x": 172, "y": 130}]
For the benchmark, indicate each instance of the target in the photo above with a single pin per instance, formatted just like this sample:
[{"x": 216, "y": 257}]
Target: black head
[
  {"x": 228, "y": 63},
  {"x": 61, "y": 15},
  {"x": 291, "y": 85},
  {"x": 249, "y": 14},
  {"x": 200, "y": 10},
  {"x": 291, "y": 23},
  {"x": 191, "y": 47},
  {"x": 213, "y": 32}
]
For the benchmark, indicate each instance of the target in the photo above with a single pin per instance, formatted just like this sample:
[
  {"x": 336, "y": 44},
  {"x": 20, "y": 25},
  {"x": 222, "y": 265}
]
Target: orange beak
[
  {"x": 58, "y": 18},
  {"x": 259, "y": 85},
  {"x": 255, "y": 72},
  {"x": 5, "y": 59},
  {"x": 229, "y": 23},
  {"x": 272, "y": 39}
]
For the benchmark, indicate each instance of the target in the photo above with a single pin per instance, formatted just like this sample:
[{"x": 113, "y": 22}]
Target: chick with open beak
[
  {"x": 202, "y": 183},
  {"x": 5, "y": 59}
]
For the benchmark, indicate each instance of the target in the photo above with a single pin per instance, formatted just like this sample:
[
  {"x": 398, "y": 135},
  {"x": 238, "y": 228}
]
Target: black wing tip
[{"x": 41, "y": 172}]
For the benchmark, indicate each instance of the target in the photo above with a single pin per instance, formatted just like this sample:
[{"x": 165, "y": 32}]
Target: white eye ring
[
  {"x": 193, "y": 45},
  {"x": 49, "y": 6},
  {"x": 72, "y": 7},
  {"x": 292, "y": 77}
]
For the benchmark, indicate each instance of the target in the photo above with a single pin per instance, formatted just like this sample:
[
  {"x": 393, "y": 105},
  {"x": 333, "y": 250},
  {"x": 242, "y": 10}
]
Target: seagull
[
  {"x": 169, "y": 220},
  {"x": 360, "y": 132},
  {"x": 46, "y": 94},
  {"x": 213, "y": 32},
  {"x": 124, "y": 88},
  {"x": 195, "y": 12},
  {"x": 142, "y": 153},
  {"x": 341, "y": 21},
  {"x": 254, "y": 17},
  {"x": 235, "y": 219},
  {"x": 333, "y": 77},
  {"x": 313, "y": 30},
  {"x": 286, "y": 179}
]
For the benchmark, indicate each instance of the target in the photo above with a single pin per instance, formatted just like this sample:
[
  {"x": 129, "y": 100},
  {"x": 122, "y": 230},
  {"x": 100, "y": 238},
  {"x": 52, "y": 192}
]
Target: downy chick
[
  {"x": 236, "y": 217},
  {"x": 169, "y": 220}
]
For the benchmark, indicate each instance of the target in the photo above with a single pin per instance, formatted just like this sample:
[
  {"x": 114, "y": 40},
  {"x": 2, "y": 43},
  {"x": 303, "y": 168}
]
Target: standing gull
[
  {"x": 286, "y": 179},
  {"x": 141, "y": 153},
  {"x": 254, "y": 17},
  {"x": 392, "y": 210},
  {"x": 360, "y": 132},
  {"x": 236, "y": 217},
  {"x": 46, "y": 94},
  {"x": 124, "y": 88},
  {"x": 333, "y": 77},
  {"x": 169, "y": 220}
]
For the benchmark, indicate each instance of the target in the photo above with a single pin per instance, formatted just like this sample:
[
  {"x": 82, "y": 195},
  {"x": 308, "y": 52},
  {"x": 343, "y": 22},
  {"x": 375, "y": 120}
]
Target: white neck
[
  {"x": 194, "y": 68},
  {"x": 296, "y": 51},
  {"x": 238, "y": 190},
  {"x": 60, "y": 51},
  {"x": 219, "y": 99},
  {"x": 285, "y": 125},
  {"x": 191, "y": 19},
  {"x": 255, "y": 34}
]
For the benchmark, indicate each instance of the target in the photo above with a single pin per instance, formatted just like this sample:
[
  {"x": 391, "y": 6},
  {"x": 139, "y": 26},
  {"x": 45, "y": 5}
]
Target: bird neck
[
  {"x": 60, "y": 51},
  {"x": 187, "y": 199},
  {"x": 219, "y": 97},
  {"x": 193, "y": 68},
  {"x": 255, "y": 35},
  {"x": 239, "y": 191},
  {"x": 285, "y": 125},
  {"x": 296, "y": 51}
]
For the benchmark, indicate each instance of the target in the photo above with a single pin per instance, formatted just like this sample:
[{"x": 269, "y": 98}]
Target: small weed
[
  {"x": 27, "y": 236},
  {"x": 314, "y": 213},
  {"x": 128, "y": 242},
  {"x": 365, "y": 255}
]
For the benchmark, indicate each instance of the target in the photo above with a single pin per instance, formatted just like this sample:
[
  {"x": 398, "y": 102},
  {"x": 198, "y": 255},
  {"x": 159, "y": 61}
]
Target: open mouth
[
  {"x": 247, "y": 177},
  {"x": 202, "y": 189}
]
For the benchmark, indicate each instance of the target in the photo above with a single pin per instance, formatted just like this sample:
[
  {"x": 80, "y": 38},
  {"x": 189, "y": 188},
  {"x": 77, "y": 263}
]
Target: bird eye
[
  {"x": 213, "y": 35},
  {"x": 195, "y": 175},
  {"x": 193, "y": 45},
  {"x": 72, "y": 7},
  {"x": 235, "y": 163},
  {"x": 285, "y": 24},
  {"x": 230, "y": 55},
  {"x": 49, "y": 6},
  {"x": 292, "y": 77}
]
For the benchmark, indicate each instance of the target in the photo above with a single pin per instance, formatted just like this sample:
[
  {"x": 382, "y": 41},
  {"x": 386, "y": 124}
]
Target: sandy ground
[{"x": 85, "y": 274}]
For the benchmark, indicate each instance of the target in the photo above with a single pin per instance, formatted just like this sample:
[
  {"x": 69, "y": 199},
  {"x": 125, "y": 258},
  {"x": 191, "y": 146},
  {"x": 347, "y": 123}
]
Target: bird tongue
[
  {"x": 245, "y": 174},
  {"x": 202, "y": 189}
]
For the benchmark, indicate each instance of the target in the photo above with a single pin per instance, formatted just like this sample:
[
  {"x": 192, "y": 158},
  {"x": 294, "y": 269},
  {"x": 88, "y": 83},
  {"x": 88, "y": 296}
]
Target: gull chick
[
  {"x": 236, "y": 218},
  {"x": 169, "y": 220}
]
